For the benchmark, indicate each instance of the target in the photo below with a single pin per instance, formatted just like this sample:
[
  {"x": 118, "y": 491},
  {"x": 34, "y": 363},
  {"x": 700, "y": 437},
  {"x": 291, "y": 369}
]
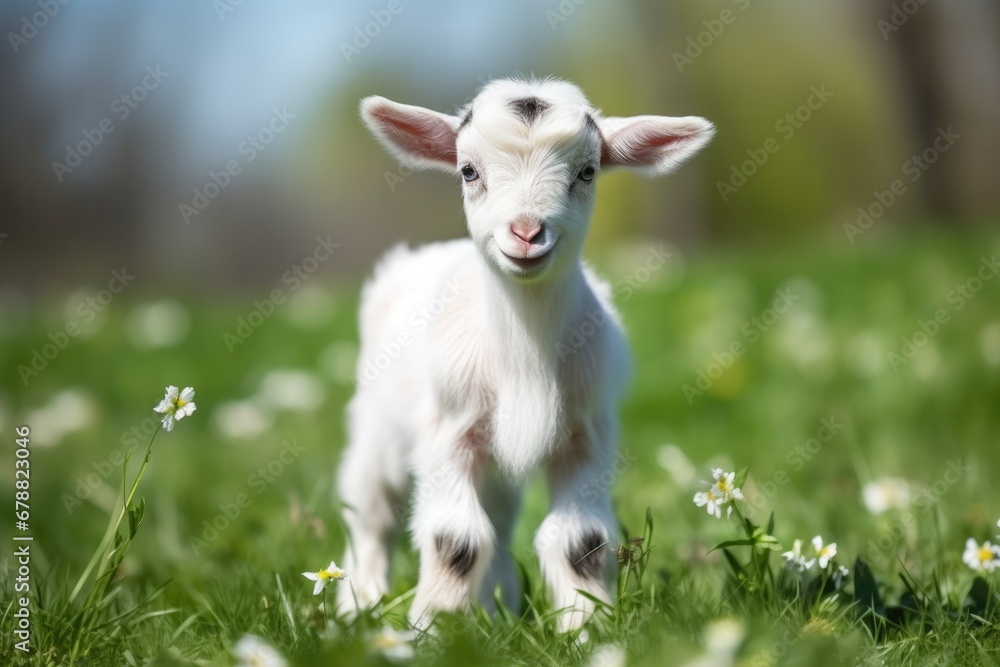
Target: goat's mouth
[{"x": 529, "y": 264}]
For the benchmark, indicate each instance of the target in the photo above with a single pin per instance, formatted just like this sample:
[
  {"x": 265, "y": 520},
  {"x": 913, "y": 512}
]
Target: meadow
[{"x": 857, "y": 383}]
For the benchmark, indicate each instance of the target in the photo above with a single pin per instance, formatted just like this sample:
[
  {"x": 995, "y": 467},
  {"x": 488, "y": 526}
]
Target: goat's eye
[
  {"x": 587, "y": 173},
  {"x": 469, "y": 173}
]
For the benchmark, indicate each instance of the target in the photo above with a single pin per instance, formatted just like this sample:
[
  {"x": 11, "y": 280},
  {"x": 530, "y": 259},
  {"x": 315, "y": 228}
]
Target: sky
[{"x": 230, "y": 64}]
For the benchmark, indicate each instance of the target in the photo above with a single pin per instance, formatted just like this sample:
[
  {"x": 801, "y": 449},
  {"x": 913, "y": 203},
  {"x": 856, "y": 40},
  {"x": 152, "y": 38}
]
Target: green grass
[{"x": 823, "y": 359}]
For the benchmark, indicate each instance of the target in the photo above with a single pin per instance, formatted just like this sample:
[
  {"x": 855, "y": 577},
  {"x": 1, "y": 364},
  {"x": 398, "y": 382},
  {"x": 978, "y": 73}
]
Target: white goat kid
[{"x": 467, "y": 378}]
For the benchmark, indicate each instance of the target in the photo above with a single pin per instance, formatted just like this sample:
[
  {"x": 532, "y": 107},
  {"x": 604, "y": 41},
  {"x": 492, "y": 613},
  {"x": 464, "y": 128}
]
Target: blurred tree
[
  {"x": 683, "y": 195},
  {"x": 948, "y": 58}
]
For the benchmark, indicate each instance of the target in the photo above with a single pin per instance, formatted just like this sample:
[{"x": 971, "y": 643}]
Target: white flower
[
  {"x": 242, "y": 420},
  {"x": 719, "y": 493},
  {"x": 252, "y": 651},
  {"x": 796, "y": 559},
  {"x": 724, "y": 637},
  {"x": 981, "y": 557},
  {"x": 300, "y": 391},
  {"x": 324, "y": 577},
  {"x": 609, "y": 655},
  {"x": 885, "y": 494},
  {"x": 819, "y": 552},
  {"x": 175, "y": 406},
  {"x": 724, "y": 485},
  {"x": 393, "y": 644},
  {"x": 824, "y": 553},
  {"x": 710, "y": 501},
  {"x": 158, "y": 324},
  {"x": 67, "y": 412},
  {"x": 673, "y": 460}
]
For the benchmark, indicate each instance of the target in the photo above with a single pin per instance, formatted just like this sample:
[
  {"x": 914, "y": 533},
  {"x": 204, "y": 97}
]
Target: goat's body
[
  {"x": 485, "y": 359},
  {"x": 513, "y": 395},
  {"x": 432, "y": 345}
]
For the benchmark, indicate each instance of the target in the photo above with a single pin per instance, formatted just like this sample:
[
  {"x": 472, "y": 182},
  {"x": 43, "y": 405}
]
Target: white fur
[{"x": 470, "y": 377}]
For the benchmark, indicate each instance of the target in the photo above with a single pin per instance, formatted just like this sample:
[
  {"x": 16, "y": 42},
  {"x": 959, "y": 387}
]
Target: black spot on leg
[
  {"x": 528, "y": 108},
  {"x": 587, "y": 557},
  {"x": 458, "y": 555}
]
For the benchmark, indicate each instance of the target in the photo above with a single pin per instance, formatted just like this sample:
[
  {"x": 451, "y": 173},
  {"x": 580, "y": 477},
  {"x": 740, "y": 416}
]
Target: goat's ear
[
  {"x": 417, "y": 137},
  {"x": 652, "y": 145}
]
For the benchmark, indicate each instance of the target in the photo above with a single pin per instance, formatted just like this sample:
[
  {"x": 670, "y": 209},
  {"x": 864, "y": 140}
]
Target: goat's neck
[
  {"x": 525, "y": 322},
  {"x": 530, "y": 319}
]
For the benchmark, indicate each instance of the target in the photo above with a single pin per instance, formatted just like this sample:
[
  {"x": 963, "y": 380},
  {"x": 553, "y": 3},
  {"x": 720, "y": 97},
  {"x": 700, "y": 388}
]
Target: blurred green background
[{"x": 805, "y": 219}]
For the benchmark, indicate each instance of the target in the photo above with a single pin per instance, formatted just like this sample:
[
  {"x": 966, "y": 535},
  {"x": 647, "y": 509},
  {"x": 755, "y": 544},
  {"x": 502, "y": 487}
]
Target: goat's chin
[{"x": 525, "y": 270}]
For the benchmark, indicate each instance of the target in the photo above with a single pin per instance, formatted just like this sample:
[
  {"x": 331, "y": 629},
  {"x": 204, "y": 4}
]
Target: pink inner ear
[
  {"x": 422, "y": 136},
  {"x": 634, "y": 148}
]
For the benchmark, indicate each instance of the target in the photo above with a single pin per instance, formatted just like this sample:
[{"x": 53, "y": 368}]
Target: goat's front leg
[
  {"x": 573, "y": 541},
  {"x": 450, "y": 526}
]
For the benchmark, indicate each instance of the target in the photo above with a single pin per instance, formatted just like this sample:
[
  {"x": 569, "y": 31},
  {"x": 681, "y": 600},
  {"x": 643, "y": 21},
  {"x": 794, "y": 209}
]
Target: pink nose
[{"x": 526, "y": 231}]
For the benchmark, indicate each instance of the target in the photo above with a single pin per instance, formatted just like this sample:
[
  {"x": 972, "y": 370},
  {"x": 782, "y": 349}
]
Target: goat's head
[{"x": 528, "y": 153}]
